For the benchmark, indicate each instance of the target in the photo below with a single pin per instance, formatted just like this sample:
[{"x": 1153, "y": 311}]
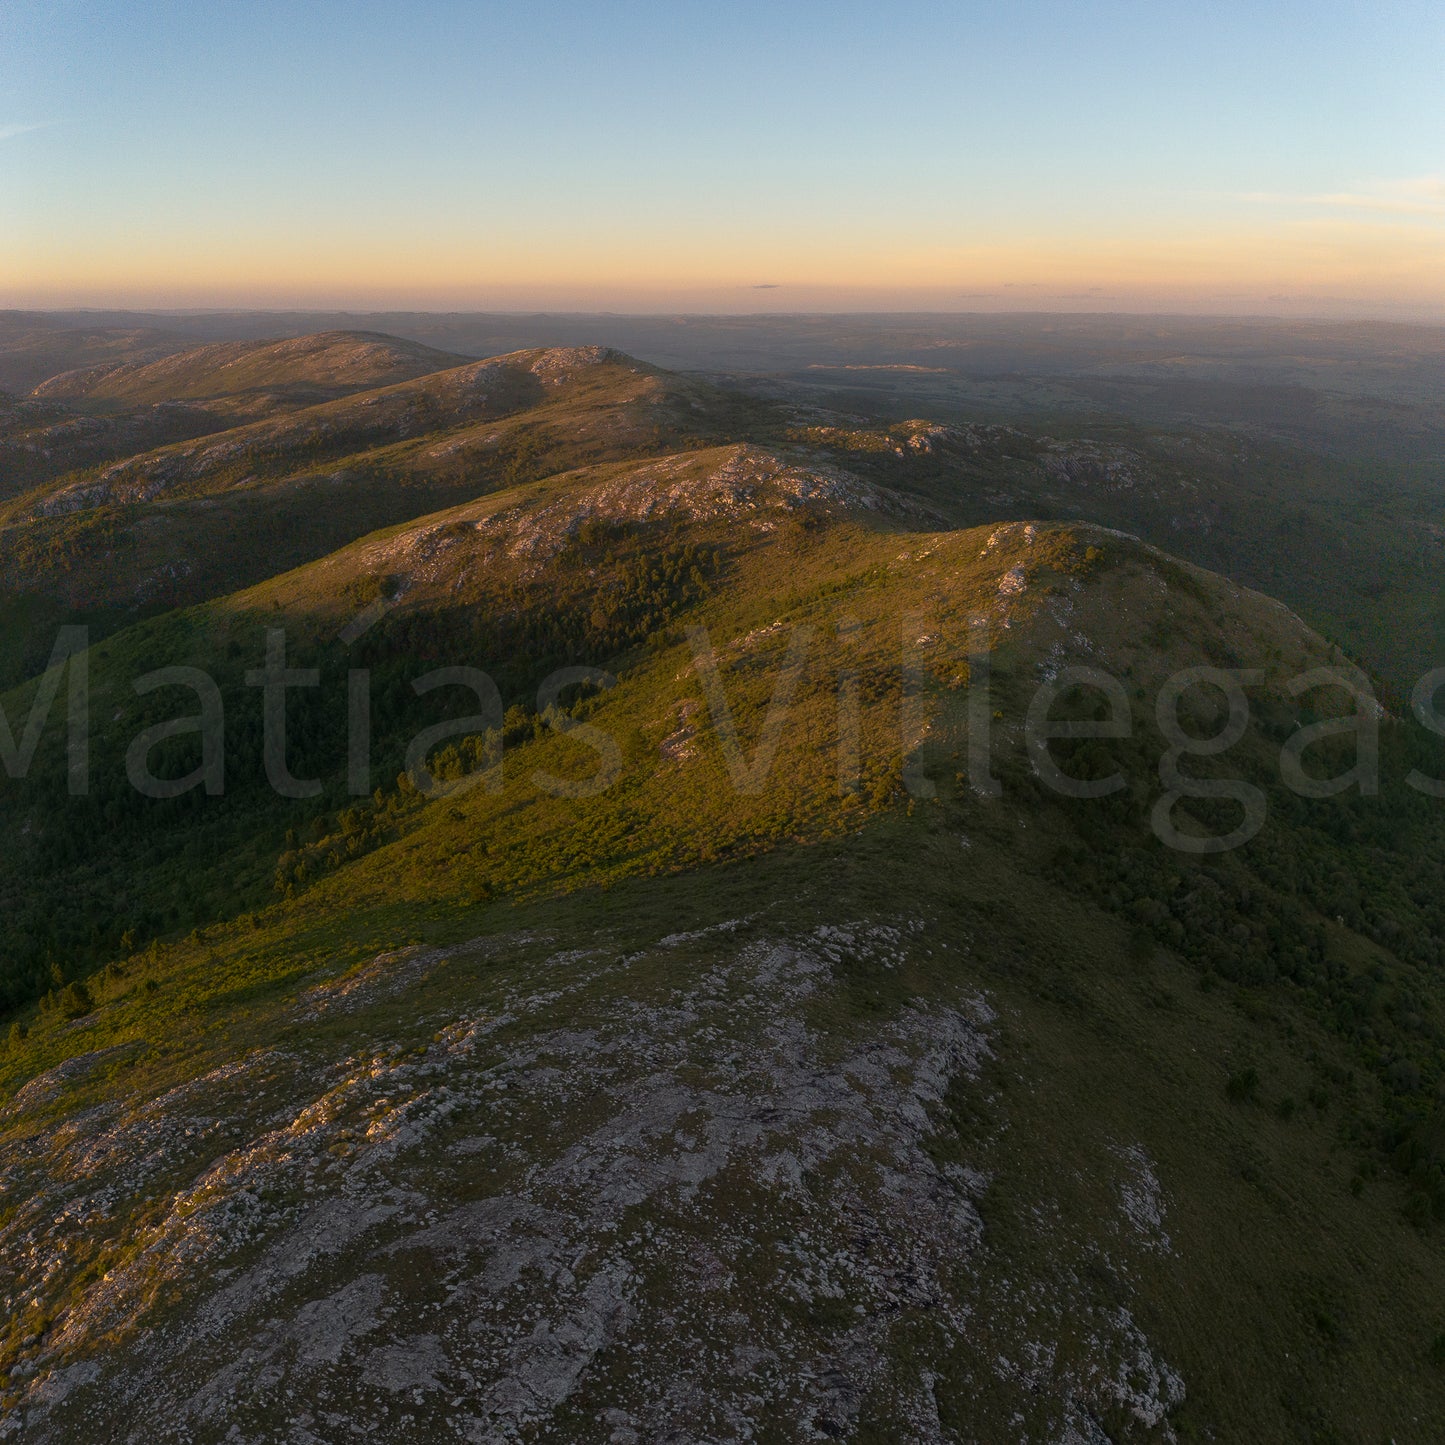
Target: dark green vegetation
[{"x": 998, "y": 1117}]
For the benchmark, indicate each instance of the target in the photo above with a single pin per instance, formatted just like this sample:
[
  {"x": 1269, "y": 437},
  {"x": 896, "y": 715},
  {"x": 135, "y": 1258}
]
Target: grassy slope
[
  {"x": 40, "y": 441},
  {"x": 1353, "y": 545},
  {"x": 1293, "y": 1307}
]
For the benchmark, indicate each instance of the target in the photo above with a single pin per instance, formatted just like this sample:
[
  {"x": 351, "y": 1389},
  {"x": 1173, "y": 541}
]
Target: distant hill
[
  {"x": 34, "y": 346},
  {"x": 98, "y": 413},
  {"x": 238, "y": 379},
  {"x": 170, "y": 501}
]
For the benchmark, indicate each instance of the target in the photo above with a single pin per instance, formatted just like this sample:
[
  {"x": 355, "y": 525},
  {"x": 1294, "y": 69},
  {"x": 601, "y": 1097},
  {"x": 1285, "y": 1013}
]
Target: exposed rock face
[
  {"x": 1087, "y": 465},
  {"x": 743, "y": 484},
  {"x": 740, "y": 483},
  {"x": 598, "y": 1210}
]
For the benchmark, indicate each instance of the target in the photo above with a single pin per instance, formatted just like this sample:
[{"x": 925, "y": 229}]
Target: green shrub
[{"x": 75, "y": 1001}]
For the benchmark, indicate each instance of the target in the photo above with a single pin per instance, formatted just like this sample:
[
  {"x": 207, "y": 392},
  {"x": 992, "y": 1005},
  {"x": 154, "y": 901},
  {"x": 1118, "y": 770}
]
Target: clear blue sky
[{"x": 473, "y": 153}]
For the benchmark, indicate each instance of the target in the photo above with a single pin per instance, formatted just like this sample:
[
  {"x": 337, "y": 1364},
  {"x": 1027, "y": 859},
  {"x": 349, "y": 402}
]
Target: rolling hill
[
  {"x": 34, "y": 346},
  {"x": 74, "y": 419},
  {"x": 239, "y": 379},
  {"x": 1262, "y": 504},
  {"x": 707, "y": 1038},
  {"x": 182, "y": 523}
]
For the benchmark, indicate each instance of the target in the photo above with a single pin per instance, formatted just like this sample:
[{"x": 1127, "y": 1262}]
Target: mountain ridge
[{"x": 666, "y": 991}]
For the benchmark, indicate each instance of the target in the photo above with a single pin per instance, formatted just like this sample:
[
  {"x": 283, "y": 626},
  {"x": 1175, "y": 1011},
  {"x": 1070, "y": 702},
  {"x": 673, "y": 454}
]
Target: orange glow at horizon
[{"x": 1392, "y": 265}]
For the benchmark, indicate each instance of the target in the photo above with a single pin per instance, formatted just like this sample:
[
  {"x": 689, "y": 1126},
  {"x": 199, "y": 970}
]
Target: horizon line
[{"x": 1372, "y": 316}]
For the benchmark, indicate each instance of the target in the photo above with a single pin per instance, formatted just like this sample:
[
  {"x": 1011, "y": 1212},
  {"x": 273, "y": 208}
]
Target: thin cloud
[
  {"x": 9, "y": 132},
  {"x": 1416, "y": 196}
]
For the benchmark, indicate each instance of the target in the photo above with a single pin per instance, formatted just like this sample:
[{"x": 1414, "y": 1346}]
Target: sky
[{"x": 1262, "y": 158}]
